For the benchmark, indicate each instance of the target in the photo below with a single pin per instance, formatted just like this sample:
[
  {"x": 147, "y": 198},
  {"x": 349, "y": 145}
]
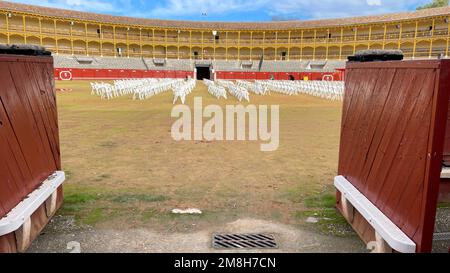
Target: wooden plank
[
  {"x": 408, "y": 150},
  {"x": 379, "y": 95},
  {"x": 33, "y": 96},
  {"x": 15, "y": 169},
  {"x": 24, "y": 127},
  {"x": 49, "y": 114}
]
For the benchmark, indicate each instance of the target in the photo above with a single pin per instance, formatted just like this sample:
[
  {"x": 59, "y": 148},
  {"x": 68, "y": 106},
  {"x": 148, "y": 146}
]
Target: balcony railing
[{"x": 123, "y": 37}]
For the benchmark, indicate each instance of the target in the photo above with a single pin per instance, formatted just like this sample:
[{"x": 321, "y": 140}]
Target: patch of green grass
[
  {"x": 130, "y": 198},
  {"x": 94, "y": 216},
  {"x": 444, "y": 205},
  {"x": 76, "y": 202},
  {"x": 80, "y": 198},
  {"x": 330, "y": 221},
  {"x": 324, "y": 200}
]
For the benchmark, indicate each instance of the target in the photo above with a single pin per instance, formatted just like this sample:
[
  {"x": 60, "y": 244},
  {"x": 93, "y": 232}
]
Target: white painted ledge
[
  {"x": 445, "y": 174},
  {"x": 23, "y": 211},
  {"x": 393, "y": 235}
]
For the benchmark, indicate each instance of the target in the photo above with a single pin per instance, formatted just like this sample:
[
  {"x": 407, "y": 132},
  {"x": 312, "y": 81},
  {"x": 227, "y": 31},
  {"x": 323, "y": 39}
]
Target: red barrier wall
[
  {"x": 314, "y": 76},
  {"x": 80, "y": 74}
]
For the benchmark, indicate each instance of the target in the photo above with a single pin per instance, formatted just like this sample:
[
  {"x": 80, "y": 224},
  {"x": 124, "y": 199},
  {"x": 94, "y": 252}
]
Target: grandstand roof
[{"x": 121, "y": 20}]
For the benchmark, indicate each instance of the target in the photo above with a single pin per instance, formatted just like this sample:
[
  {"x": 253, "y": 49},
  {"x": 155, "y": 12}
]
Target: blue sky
[{"x": 234, "y": 10}]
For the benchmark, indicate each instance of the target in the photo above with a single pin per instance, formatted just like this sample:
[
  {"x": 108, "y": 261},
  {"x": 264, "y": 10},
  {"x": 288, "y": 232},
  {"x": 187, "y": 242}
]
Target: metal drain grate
[
  {"x": 250, "y": 241},
  {"x": 441, "y": 237}
]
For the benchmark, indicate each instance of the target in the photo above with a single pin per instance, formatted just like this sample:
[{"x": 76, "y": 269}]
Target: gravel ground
[
  {"x": 442, "y": 226},
  {"x": 62, "y": 233}
]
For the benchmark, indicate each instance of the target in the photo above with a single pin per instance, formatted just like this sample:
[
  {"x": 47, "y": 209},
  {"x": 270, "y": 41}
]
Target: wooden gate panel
[
  {"x": 29, "y": 139},
  {"x": 393, "y": 129}
]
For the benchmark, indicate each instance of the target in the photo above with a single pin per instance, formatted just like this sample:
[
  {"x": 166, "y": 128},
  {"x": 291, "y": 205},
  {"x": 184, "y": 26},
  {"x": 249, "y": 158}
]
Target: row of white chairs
[
  {"x": 147, "y": 88},
  {"x": 238, "y": 92},
  {"x": 128, "y": 86},
  {"x": 121, "y": 87},
  {"x": 103, "y": 90},
  {"x": 182, "y": 89},
  {"x": 330, "y": 90},
  {"x": 147, "y": 91},
  {"x": 256, "y": 87},
  {"x": 215, "y": 90}
]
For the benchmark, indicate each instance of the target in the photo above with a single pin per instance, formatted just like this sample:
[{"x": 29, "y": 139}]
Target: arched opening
[
  {"x": 79, "y": 47},
  {"x": 407, "y": 49},
  {"x": 423, "y": 49},
  {"x": 439, "y": 48},
  {"x": 208, "y": 53},
  {"x": 172, "y": 52},
  {"x": 121, "y": 50},
  {"x": 308, "y": 53},
  {"x": 196, "y": 53},
  {"x": 295, "y": 54},
  {"x": 184, "y": 52},
  {"x": 361, "y": 47},
  {"x": 347, "y": 50},
  {"x": 282, "y": 54},
  {"x": 16, "y": 39},
  {"x": 256, "y": 53},
  {"x": 49, "y": 44},
  {"x": 232, "y": 53},
  {"x": 94, "y": 48},
  {"x": 321, "y": 53},
  {"x": 64, "y": 47},
  {"x": 135, "y": 50},
  {"x": 334, "y": 53},
  {"x": 159, "y": 52},
  {"x": 3, "y": 39},
  {"x": 269, "y": 53},
  {"x": 220, "y": 53},
  {"x": 244, "y": 54},
  {"x": 147, "y": 51},
  {"x": 33, "y": 40},
  {"x": 376, "y": 46},
  {"x": 108, "y": 49},
  {"x": 391, "y": 46}
]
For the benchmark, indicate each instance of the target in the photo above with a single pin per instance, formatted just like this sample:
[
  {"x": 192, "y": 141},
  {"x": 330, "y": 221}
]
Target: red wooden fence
[
  {"x": 29, "y": 138},
  {"x": 393, "y": 131}
]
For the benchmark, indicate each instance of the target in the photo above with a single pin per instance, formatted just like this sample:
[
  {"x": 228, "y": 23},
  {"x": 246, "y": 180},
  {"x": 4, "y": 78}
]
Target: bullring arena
[{"x": 126, "y": 179}]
